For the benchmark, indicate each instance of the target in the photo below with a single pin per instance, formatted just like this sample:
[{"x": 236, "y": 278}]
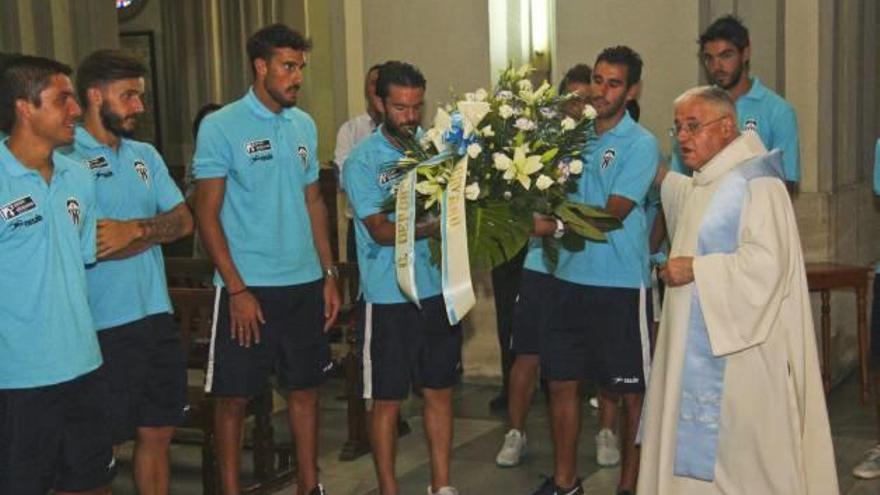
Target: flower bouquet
[{"x": 486, "y": 166}]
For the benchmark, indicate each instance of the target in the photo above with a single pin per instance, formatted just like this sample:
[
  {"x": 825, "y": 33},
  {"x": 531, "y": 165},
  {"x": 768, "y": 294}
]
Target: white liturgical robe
[{"x": 773, "y": 436}]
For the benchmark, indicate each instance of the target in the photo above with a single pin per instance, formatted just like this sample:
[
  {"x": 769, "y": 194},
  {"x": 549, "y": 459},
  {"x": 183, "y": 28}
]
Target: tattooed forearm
[{"x": 168, "y": 226}]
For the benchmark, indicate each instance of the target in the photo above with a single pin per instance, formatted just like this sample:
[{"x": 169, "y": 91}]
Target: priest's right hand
[
  {"x": 245, "y": 318},
  {"x": 678, "y": 271}
]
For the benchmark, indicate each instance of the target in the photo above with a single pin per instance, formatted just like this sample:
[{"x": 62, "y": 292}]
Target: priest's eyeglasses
[{"x": 692, "y": 127}]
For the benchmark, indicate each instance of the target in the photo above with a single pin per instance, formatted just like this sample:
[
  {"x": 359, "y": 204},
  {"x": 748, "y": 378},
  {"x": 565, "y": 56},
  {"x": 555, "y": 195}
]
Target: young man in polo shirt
[
  {"x": 54, "y": 432},
  {"x": 726, "y": 52},
  {"x": 599, "y": 325},
  {"x": 404, "y": 345},
  {"x": 264, "y": 224},
  {"x": 128, "y": 295}
]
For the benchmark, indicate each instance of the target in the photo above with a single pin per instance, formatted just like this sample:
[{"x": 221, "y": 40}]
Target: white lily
[
  {"x": 522, "y": 166},
  {"x": 431, "y": 186},
  {"x": 472, "y": 113}
]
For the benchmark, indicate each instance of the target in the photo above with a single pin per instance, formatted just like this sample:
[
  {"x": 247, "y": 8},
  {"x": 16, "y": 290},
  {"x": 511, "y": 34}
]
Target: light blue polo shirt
[
  {"x": 535, "y": 260},
  {"x": 621, "y": 162},
  {"x": 765, "y": 112},
  {"x": 369, "y": 174},
  {"x": 268, "y": 160},
  {"x": 47, "y": 236},
  {"x": 130, "y": 182}
]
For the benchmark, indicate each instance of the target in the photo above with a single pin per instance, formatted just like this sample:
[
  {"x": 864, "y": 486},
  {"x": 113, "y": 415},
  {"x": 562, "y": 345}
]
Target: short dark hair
[
  {"x": 203, "y": 112},
  {"x": 398, "y": 74},
  {"x": 105, "y": 66},
  {"x": 264, "y": 42},
  {"x": 580, "y": 73},
  {"x": 24, "y": 77},
  {"x": 623, "y": 55},
  {"x": 728, "y": 28}
]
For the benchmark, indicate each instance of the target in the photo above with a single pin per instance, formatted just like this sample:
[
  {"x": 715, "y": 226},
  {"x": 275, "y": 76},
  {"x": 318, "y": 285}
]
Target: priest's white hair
[{"x": 713, "y": 95}]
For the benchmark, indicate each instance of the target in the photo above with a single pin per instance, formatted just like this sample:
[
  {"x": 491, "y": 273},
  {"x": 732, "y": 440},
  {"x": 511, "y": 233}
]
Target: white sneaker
[
  {"x": 513, "y": 450},
  {"x": 446, "y": 490},
  {"x": 607, "y": 453},
  {"x": 870, "y": 467}
]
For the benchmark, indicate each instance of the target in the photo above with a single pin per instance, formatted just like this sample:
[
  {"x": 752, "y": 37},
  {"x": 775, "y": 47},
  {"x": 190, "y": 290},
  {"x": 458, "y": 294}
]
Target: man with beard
[
  {"x": 598, "y": 326},
  {"x": 263, "y": 222},
  {"x": 54, "y": 432},
  {"x": 128, "y": 295},
  {"x": 403, "y": 345},
  {"x": 726, "y": 52}
]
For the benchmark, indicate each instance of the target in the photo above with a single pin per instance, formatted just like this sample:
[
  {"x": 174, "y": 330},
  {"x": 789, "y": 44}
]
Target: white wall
[{"x": 663, "y": 32}]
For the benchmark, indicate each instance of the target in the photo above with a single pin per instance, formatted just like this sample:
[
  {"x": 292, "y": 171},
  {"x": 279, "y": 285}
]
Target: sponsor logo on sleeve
[
  {"x": 750, "y": 124},
  {"x": 390, "y": 174},
  {"x": 259, "y": 150},
  {"x": 17, "y": 207},
  {"x": 99, "y": 166}
]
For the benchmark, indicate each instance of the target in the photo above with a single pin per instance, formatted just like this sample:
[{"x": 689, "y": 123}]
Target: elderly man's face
[{"x": 702, "y": 130}]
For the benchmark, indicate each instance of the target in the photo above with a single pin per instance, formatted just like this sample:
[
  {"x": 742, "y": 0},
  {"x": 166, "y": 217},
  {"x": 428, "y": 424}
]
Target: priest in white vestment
[{"x": 735, "y": 404}]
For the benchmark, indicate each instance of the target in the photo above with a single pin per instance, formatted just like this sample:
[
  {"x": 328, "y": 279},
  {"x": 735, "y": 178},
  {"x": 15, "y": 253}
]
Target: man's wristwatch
[
  {"x": 560, "y": 229},
  {"x": 331, "y": 271}
]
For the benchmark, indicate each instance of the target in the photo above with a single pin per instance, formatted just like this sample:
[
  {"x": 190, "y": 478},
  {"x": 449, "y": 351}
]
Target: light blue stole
[{"x": 702, "y": 387}]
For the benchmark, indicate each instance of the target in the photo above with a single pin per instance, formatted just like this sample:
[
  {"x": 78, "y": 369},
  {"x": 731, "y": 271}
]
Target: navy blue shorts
[
  {"x": 292, "y": 343},
  {"x": 599, "y": 333},
  {"x": 56, "y": 437},
  {"x": 531, "y": 311},
  {"x": 404, "y": 347},
  {"x": 146, "y": 369}
]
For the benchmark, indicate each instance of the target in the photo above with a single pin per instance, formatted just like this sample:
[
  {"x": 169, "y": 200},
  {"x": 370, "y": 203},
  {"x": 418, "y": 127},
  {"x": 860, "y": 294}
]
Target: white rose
[
  {"x": 576, "y": 166},
  {"x": 501, "y": 161},
  {"x": 487, "y": 131},
  {"x": 474, "y": 150},
  {"x": 543, "y": 182},
  {"x": 505, "y": 111},
  {"x": 481, "y": 94},
  {"x": 524, "y": 124},
  {"x": 507, "y": 195},
  {"x": 589, "y": 112},
  {"x": 472, "y": 192},
  {"x": 568, "y": 124}
]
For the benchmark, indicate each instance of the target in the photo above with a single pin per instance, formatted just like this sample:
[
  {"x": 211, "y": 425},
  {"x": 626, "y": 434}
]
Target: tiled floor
[{"x": 478, "y": 434}]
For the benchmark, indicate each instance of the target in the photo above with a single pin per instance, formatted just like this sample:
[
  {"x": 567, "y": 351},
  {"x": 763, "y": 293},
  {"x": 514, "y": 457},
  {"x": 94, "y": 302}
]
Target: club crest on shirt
[
  {"x": 303, "y": 153},
  {"x": 259, "y": 150},
  {"x": 99, "y": 166},
  {"x": 143, "y": 172},
  {"x": 750, "y": 124},
  {"x": 17, "y": 208},
  {"x": 73, "y": 210},
  {"x": 608, "y": 158}
]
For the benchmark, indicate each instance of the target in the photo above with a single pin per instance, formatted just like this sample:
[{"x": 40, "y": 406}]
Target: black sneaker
[
  {"x": 548, "y": 487},
  {"x": 318, "y": 490}
]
